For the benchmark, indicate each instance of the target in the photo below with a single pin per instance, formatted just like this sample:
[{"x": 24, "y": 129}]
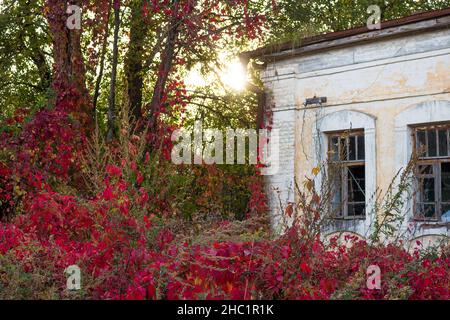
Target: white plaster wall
[{"x": 280, "y": 187}]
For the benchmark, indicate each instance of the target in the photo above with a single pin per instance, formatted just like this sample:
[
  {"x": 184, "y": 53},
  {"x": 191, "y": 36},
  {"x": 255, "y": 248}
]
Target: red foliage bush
[
  {"x": 126, "y": 257},
  {"x": 44, "y": 153}
]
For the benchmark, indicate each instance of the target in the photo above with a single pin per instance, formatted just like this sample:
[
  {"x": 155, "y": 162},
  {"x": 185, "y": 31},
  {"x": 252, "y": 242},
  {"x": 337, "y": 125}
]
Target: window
[
  {"x": 432, "y": 148},
  {"x": 348, "y": 166}
]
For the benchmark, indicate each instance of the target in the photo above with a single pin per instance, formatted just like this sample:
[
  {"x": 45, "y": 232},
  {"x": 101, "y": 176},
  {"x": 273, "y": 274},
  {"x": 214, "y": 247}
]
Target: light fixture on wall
[{"x": 315, "y": 100}]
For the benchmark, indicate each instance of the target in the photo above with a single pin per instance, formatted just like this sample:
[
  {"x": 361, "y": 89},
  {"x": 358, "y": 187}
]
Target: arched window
[
  {"x": 423, "y": 131},
  {"x": 349, "y": 136}
]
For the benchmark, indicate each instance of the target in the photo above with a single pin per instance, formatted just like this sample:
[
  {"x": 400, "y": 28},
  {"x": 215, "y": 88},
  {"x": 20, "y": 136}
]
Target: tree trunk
[
  {"x": 167, "y": 58},
  {"x": 69, "y": 72},
  {"x": 134, "y": 61},
  {"x": 102, "y": 63},
  {"x": 112, "y": 93}
]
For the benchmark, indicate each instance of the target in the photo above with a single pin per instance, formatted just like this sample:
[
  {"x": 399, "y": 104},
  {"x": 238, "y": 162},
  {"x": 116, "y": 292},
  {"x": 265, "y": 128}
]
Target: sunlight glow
[
  {"x": 196, "y": 79},
  {"x": 234, "y": 76}
]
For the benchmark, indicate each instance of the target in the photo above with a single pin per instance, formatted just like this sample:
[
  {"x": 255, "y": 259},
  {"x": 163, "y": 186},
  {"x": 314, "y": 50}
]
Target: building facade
[{"x": 374, "y": 100}]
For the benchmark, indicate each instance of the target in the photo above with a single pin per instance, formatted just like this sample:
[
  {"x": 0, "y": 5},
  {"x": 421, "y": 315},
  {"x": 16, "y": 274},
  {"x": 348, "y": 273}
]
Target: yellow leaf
[{"x": 316, "y": 170}]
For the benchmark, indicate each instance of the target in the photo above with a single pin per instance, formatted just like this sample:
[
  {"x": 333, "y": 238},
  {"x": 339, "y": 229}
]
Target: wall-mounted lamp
[{"x": 315, "y": 100}]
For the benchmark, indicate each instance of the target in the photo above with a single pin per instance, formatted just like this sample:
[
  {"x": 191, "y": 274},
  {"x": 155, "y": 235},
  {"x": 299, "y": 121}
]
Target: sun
[{"x": 234, "y": 76}]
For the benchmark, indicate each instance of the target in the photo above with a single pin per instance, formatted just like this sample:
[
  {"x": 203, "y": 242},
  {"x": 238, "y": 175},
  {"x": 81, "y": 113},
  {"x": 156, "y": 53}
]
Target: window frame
[
  {"x": 436, "y": 163},
  {"x": 344, "y": 166}
]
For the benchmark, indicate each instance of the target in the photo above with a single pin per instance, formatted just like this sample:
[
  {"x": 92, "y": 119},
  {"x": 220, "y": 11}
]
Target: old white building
[{"x": 387, "y": 92}]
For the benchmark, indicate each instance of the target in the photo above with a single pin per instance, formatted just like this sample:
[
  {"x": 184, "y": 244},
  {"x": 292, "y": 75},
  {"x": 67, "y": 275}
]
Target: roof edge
[{"x": 278, "y": 49}]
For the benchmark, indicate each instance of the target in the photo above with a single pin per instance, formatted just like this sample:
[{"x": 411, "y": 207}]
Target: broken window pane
[
  {"x": 421, "y": 143},
  {"x": 356, "y": 184},
  {"x": 427, "y": 210},
  {"x": 343, "y": 153},
  {"x": 361, "y": 148},
  {"x": 426, "y": 190},
  {"x": 356, "y": 209},
  {"x": 352, "y": 148},
  {"x": 334, "y": 149},
  {"x": 445, "y": 181},
  {"x": 443, "y": 143},
  {"x": 432, "y": 146}
]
